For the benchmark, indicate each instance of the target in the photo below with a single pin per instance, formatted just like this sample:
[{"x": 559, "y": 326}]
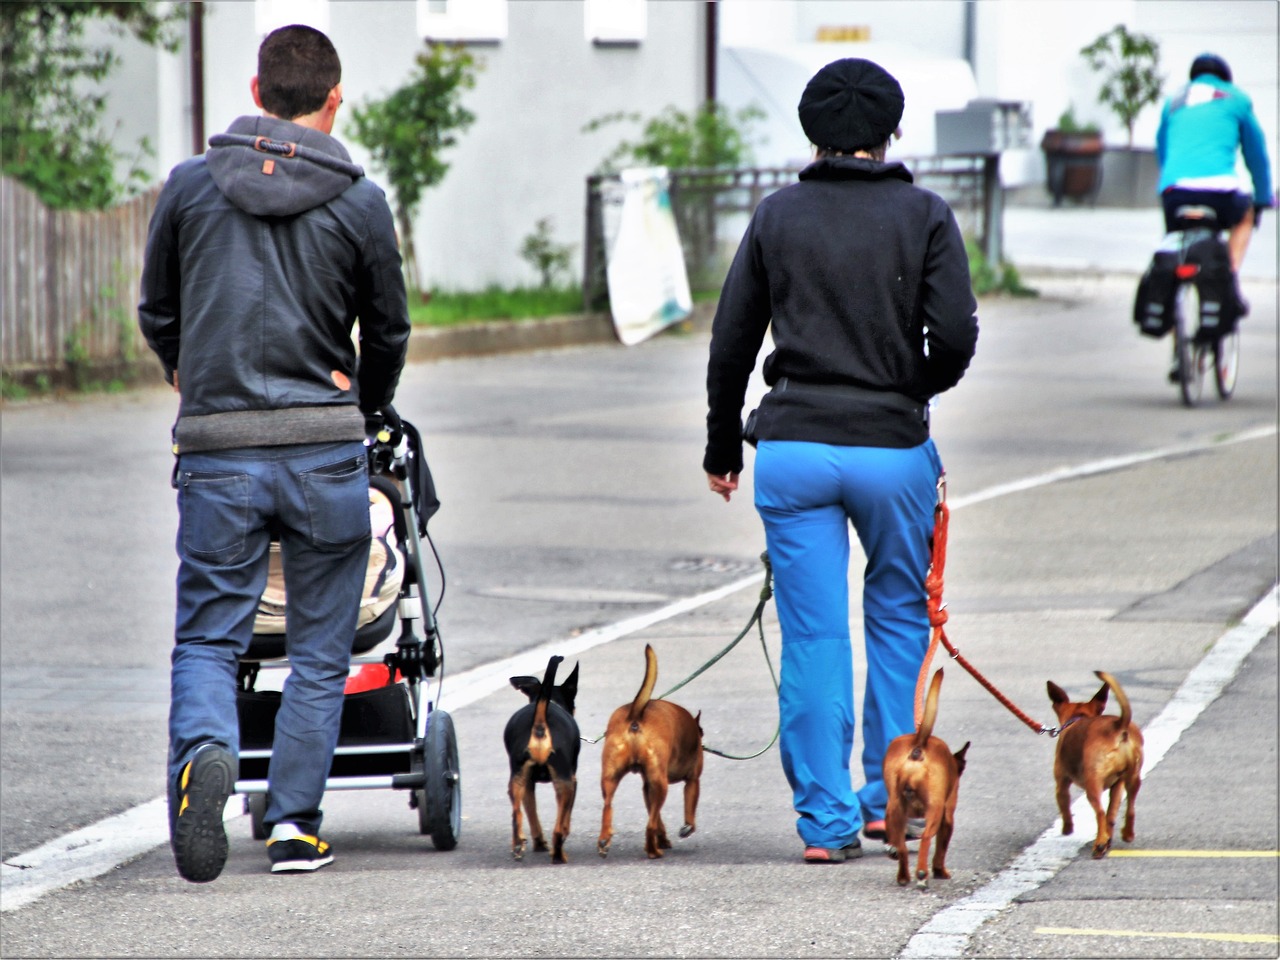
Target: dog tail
[
  {"x": 1121, "y": 700},
  {"x": 930, "y": 714},
  {"x": 646, "y": 689},
  {"x": 539, "y": 736}
]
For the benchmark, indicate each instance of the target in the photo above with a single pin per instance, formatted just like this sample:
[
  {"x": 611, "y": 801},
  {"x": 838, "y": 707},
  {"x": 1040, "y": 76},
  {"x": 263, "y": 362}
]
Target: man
[
  {"x": 1203, "y": 128},
  {"x": 261, "y": 256},
  {"x": 865, "y": 281}
]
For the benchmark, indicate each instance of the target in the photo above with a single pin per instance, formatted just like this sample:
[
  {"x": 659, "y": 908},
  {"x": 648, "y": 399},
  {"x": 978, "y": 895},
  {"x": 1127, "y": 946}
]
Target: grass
[
  {"x": 991, "y": 278},
  {"x": 445, "y": 308}
]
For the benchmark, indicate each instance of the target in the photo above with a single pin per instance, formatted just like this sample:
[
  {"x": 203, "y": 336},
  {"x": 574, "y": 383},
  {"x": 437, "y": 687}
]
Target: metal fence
[
  {"x": 69, "y": 285},
  {"x": 712, "y": 207}
]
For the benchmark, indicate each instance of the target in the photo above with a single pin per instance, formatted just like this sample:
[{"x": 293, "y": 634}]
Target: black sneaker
[
  {"x": 292, "y": 850},
  {"x": 850, "y": 851},
  {"x": 196, "y": 831}
]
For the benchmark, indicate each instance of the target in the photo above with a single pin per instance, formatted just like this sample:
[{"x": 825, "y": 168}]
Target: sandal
[
  {"x": 850, "y": 851},
  {"x": 875, "y": 830}
]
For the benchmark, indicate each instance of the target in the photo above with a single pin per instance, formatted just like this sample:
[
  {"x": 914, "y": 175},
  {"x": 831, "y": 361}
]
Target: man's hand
[{"x": 724, "y": 486}]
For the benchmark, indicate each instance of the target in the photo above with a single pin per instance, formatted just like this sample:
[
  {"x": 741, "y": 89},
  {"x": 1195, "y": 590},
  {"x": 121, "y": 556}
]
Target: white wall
[{"x": 525, "y": 156}]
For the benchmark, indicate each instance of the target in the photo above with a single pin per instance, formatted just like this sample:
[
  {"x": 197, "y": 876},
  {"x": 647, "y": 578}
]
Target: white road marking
[
  {"x": 947, "y": 932},
  {"x": 94, "y": 850}
]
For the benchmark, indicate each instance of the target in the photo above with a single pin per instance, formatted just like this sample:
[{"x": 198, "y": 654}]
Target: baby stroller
[{"x": 392, "y": 736}]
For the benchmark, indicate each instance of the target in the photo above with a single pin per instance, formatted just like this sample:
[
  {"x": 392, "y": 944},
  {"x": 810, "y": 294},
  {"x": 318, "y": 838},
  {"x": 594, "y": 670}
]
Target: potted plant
[
  {"x": 1073, "y": 157},
  {"x": 1128, "y": 64}
]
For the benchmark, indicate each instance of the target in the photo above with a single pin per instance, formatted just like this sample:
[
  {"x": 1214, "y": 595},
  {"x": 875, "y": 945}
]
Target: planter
[
  {"x": 1130, "y": 177},
  {"x": 1073, "y": 164}
]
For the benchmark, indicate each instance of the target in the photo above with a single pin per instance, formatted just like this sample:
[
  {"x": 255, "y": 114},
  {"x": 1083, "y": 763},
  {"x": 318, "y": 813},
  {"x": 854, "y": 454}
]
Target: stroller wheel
[
  {"x": 255, "y": 805},
  {"x": 439, "y": 801}
]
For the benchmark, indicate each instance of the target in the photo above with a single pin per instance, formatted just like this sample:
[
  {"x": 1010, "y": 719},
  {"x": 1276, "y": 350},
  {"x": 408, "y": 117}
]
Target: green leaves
[
  {"x": 1129, "y": 64},
  {"x": 50, "y": 112},
  {"x": 710, "y": 137},
  {"x": 408, "y": 131}
]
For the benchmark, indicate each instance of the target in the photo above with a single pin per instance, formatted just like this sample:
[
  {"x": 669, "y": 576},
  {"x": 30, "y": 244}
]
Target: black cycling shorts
[{"x": 1231, "y": 206}]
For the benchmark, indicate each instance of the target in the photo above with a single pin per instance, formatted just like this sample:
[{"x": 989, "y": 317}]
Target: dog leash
[
  {"x": 757, "y": 620},
  {"x": 938, "y": 617}
]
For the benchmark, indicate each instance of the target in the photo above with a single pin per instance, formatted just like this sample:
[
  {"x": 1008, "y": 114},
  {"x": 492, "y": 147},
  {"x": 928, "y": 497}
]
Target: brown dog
[
  {"x": 662, "y": 742},
  {"x": 1097, "y": 753},
  {"x": 922, "y": 777}
]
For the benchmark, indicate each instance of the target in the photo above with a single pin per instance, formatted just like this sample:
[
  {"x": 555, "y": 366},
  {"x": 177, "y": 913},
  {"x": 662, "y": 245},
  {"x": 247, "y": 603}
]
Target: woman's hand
[{"x": 724, "y": 486}]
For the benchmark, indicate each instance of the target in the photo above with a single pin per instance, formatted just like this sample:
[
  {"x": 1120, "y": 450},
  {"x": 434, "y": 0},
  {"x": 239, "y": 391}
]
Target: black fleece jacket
[
  {"x": 261, "y": 256},
  {"x": 864, "y": 279}
]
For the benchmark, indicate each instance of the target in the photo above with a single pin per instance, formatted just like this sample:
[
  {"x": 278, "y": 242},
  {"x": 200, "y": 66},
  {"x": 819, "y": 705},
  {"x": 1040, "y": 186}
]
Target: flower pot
[{"x": 1073, "y": 164}]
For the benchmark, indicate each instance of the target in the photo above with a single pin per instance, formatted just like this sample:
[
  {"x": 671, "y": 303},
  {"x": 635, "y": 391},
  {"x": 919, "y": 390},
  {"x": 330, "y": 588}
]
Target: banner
[{"x": 648, "y": 284}]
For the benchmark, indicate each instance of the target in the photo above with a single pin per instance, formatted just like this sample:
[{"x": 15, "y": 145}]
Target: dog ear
[
  {"x": 529, "y": 686},
  {"x": 1100, "y": 698},
  {"x": 569, "y": 689},
  {"x": 1056, "y": 693},
  {"x": 960, "y": 757}
]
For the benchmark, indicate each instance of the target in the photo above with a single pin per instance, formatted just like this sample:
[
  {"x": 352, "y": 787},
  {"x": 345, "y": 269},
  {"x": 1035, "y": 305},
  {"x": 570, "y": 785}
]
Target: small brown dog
[
  {"x": 1097, "y": 753},
  {"x": 662, "y": 742},
  {"x": 922, "y": 777}
]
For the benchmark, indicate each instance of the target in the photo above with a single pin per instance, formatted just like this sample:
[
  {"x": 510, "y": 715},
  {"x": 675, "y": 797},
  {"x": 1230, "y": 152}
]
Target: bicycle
[{"x": 1189, "y": 290}]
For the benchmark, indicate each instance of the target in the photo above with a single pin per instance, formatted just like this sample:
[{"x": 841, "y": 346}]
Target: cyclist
[{"x": 1202, "y": 129}]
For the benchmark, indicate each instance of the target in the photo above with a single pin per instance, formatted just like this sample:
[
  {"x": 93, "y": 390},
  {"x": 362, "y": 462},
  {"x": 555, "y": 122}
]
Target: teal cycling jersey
[{"x": 1202, "y": 127}]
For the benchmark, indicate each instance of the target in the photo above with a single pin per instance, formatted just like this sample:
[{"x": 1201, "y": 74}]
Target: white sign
[{"x": 648, "y": 284}]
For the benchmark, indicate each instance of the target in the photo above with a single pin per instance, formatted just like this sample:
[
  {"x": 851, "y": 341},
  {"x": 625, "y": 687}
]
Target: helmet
[{"x": 1210, "y": 63}]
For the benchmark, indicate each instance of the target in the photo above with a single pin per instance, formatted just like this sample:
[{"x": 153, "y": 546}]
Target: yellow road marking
[
  {"x": 1203, "y": 854},
  {"x": 1224, "y": 937}
]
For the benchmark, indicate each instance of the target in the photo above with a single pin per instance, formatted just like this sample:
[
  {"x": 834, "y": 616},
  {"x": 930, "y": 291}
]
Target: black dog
[{"x": 542, "y": 744}]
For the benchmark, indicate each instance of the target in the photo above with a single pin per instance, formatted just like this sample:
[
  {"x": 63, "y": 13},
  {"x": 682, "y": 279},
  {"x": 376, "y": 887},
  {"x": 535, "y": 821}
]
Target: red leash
[{"x": 938, "y": 617}]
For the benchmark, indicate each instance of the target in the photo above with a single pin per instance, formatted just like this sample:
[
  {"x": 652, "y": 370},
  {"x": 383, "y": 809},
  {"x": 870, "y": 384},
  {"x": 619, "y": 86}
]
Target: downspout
[
  {"x": 712, "y": 47},
  {"x": 195, "y": 24},
  {"x": 970, "y": 35}
]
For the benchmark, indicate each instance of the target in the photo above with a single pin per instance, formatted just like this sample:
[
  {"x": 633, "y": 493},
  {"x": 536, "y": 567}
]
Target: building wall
[{"x": 524, "y": 158}]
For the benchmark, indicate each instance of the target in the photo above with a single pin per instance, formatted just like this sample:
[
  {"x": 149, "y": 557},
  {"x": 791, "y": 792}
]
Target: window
[
  {"x": 270, "y": 14},
  {"x": 473, "y": 21},
  {"x": 615, "y": 22}
]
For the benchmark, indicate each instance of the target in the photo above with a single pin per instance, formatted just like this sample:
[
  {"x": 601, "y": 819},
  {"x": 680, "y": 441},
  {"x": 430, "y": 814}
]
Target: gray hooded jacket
[{"x": 261, "y": 256}]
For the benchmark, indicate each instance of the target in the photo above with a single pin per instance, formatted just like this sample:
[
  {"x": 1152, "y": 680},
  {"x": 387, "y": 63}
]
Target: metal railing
[{"x": 712, "y": 207}]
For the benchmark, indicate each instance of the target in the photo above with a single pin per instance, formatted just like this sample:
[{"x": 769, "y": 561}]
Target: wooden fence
[{"x": 69, "y": 286}]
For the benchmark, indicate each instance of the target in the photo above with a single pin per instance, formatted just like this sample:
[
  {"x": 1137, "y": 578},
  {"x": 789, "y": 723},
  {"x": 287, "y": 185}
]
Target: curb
[{"x": 489, "y": 337}]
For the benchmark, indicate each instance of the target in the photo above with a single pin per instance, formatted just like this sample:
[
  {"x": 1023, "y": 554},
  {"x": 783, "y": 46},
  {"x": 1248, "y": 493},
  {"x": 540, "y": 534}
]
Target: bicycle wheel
[
  {"x": 1226, "y": 363},
  {"x": 1191, "y": 357}
]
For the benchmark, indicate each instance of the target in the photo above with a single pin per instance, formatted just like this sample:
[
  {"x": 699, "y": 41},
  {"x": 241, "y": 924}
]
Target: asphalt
[{"x": 1206, "y": 884}]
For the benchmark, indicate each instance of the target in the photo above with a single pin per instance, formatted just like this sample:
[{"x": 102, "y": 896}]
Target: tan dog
[
  {"x": 662, "y": 742},
  {"x": 922, "y": 777},
  {"x": 1097, "y": 753}
]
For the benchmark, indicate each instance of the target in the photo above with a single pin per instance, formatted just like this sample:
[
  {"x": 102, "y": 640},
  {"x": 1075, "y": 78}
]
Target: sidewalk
[{"x": 1109, "y": 240}]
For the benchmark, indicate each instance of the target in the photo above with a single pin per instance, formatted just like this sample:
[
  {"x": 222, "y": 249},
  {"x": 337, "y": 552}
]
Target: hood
[{"x": 274, "y": 168}]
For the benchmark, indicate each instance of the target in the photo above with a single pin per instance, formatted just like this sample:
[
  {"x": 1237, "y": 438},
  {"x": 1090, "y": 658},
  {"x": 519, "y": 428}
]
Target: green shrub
[{"x": 988, "y": 278}]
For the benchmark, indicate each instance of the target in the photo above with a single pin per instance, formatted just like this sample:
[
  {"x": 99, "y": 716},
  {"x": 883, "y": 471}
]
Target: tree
[
  {"x": 50, "y": 107},
  {"x": 711, "y": 137},
  {"x": 409, "y": 130},
  {"x": 1129, "y": 64}
]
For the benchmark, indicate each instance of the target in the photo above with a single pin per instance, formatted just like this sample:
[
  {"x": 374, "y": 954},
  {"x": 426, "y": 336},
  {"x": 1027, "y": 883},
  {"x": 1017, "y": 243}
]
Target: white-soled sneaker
[{"x": 291, "y": 850}]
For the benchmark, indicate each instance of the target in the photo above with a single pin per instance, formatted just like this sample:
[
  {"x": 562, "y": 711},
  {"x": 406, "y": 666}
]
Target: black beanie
[{"x": 851, "y": 104}]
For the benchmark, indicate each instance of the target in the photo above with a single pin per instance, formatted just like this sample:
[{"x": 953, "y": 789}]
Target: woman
[{"x": 865, "y": 282}]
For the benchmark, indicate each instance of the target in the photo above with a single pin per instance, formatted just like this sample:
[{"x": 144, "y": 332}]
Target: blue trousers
[
  {"x": 807, "y": 494},
  {"x": 316, "y": 497}
]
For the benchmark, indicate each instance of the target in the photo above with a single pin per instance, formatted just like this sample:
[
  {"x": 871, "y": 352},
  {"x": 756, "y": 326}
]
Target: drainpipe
[
  {"x": 195, "y": 24},
  {"x": 970, "y": 35},
  {"x": 713, "y": 44}
]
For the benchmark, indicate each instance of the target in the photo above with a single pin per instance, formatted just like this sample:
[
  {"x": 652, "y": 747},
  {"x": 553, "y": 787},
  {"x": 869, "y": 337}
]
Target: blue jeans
[
  {"x": 807, "y": 494},
  {"x": 316, "y": 497}
]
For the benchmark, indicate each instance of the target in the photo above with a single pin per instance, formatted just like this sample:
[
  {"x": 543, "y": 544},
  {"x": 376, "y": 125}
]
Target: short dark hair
[{"x": 297, "y": 67}]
